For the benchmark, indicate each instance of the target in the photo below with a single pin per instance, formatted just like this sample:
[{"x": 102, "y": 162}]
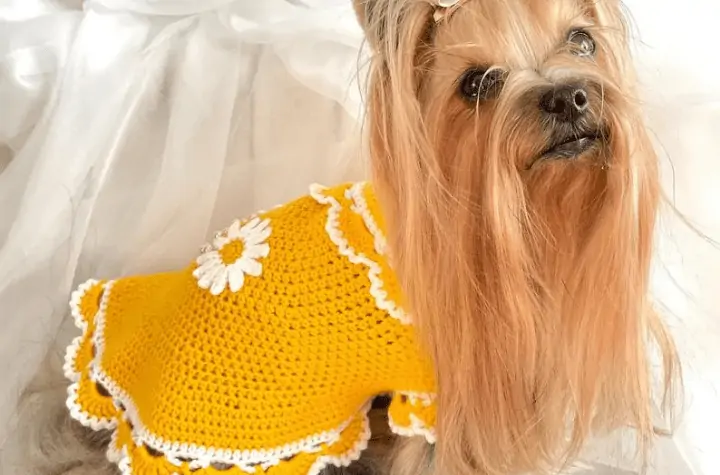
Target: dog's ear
[
  {"x": 367, "y": 14},
  {"x": 363, "y": 10}
]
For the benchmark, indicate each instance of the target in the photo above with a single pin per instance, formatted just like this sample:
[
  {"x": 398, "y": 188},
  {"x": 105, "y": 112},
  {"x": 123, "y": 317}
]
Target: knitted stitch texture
[{"x": 261, "y": 357}]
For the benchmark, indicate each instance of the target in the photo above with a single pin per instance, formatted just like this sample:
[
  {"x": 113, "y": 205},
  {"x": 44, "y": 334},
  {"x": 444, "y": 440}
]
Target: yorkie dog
[{"x": 519, "y": 190}]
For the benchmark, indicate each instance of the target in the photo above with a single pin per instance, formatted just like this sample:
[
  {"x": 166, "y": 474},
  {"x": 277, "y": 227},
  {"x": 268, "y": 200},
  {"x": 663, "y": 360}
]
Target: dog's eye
[
  {"x": 480, "y": 85},
  {"x": 582, "y": 43}
]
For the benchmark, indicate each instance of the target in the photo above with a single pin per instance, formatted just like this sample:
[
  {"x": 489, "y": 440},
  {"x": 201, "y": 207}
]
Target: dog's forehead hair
[{"x": 512, "y": 33}]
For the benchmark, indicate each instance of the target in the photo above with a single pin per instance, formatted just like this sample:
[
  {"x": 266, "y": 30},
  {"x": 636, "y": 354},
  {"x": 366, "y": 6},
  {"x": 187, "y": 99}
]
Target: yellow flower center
[{"x": 231, "y": 251}]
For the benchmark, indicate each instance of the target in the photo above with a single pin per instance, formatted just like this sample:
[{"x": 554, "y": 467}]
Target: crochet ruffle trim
[
  {"x": 355, "y": 194},
  {"x": 138, "y": 452},
  {"x": 413, "y": 415}
]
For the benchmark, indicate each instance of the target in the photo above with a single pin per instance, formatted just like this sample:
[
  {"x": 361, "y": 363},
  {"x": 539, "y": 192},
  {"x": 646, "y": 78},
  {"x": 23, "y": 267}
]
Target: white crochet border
[
  {"x": 332, "y": 227},
  {"x": 73, "y": 406},
  {"x": 415, "y": 398},
  {"x": 124, "y": 461},
  {"x": 417, "y": 428},
  {"x": 360, "y": 206},
  {"x": 173, "y": 451},
  {"x": 72, "y": 350}
]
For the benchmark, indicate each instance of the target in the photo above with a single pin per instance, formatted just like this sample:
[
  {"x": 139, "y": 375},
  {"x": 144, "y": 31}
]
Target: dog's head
[{"x": 521, "y": 189}]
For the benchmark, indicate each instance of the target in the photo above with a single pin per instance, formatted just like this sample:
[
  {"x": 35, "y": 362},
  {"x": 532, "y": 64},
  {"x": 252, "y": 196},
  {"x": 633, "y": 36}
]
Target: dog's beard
[
  {"x": 530, "y": 288},
  {"x": 538, "y": 275},
  {"x": 525, "y": 264}
]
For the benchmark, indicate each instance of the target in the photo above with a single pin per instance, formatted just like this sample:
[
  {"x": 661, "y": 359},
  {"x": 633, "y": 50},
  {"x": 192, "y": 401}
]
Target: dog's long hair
[{"x": 528, "y": 282}]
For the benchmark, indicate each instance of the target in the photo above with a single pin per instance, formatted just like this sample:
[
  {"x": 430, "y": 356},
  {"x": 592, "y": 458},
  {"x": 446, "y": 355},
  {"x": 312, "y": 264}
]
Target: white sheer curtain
[
  {"x": 132, "y": 129},
  {"x": 677, "y": 51}
]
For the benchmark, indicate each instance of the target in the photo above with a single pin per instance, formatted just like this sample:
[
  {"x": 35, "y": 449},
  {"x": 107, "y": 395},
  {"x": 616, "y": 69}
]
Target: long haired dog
[{"x": 519, "y": 189}]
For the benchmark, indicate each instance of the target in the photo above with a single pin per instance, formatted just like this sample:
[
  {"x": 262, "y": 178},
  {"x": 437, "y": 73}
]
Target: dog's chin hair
[{"x": 530, "y": 290}]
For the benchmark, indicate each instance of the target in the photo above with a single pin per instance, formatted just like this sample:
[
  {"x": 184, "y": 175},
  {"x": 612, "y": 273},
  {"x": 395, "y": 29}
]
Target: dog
[{"x": 519, "y": 191}]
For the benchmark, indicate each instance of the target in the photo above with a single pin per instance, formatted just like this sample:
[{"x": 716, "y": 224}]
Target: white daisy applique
[{"x": 232, "y": 255}]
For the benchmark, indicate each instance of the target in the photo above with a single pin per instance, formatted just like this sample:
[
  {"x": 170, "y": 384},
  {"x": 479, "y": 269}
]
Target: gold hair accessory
[{"x": 444, "y": 8}]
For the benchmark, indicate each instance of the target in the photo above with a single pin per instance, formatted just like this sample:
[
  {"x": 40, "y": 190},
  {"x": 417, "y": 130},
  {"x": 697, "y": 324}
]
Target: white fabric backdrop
[
  {"x": 679, "y": 64},
  {"x": 133, "y": 137},
  {"x": 131, "y": 130}
]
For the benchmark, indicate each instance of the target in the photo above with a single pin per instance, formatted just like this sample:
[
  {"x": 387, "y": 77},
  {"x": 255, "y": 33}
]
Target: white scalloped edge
[
  {"x": 360, "y": 206},
  {"x": 374, "y": 270},
  {"x": 173, "y": 451},
  {"x": 113, "y": 454},
  {"x": 70, "y": 355},
  {"x": 418, "y": 399},
  {"x": 76, "y": 411},
  {"x": 124, "y": 460},
  {"x": 351, "y": 455},
  {"x": 72, "y": 350},
  {"x": 417, "y": 428},
  {"x": 75, "y": 300}
]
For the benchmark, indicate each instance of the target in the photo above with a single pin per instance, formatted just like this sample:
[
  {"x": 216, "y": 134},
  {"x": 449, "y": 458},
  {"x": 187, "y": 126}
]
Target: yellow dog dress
[{"x": 262, "y": 356}]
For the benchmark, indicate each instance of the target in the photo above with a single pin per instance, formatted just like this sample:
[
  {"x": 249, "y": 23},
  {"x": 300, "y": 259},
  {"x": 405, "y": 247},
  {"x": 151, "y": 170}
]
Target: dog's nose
[{"x": 566, "y": 103}]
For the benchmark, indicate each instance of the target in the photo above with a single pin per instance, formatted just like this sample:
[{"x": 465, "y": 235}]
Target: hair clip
[{"x": 444, "y": 8}]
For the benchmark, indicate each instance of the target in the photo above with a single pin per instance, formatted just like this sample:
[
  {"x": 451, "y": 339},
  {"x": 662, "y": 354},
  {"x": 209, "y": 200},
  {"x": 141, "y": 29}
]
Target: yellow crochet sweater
[{"x": 262, "y": 356}]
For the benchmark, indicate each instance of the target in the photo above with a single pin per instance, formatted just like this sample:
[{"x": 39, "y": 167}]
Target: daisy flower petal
[
  {"x": 205, "y": 280},
  {"x": 215, "y": 274},
  {"x": 219, "y": 283},
  {"x": 236, "y": 278},
  {"x": 234, "y": 229},
  {"x": 263, "y": 225},
  {"x": 249, "y": 228},
  {"x": 257, "y": 251},
  {"x": 250, "y": 266},
  {"x": 258, "y": 238},
  {"x": 211, "y": 257},
  {"x": 220, "y": 241}
]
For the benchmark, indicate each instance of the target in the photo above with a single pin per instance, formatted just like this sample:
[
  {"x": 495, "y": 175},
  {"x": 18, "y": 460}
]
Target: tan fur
[
  {"x": 528, "y": 279},
  {"x": 528, "y": 283}
]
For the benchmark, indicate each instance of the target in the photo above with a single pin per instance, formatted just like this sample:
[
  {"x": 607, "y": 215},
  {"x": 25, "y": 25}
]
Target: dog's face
[
  {"x": 521, "y": 106},
  {"x": 529, "y": 106},
  {"x": 521, "y": 188},
  {"x": 533, "y": 100},
  {"x": 534, "y": 81}
]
